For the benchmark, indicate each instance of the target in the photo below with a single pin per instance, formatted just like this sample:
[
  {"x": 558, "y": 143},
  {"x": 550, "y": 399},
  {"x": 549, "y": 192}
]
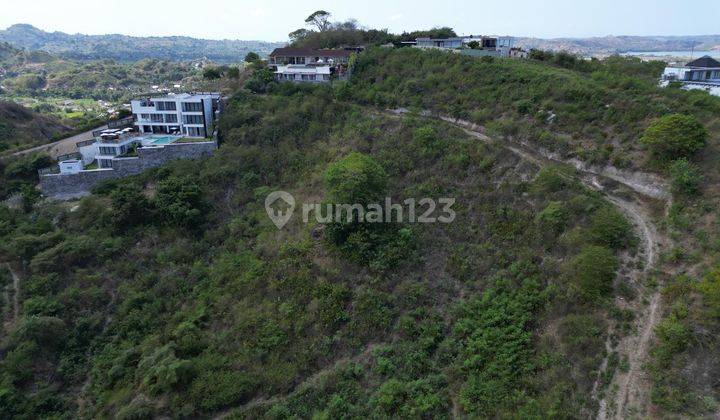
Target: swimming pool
[{"x": 163, "y": 140}]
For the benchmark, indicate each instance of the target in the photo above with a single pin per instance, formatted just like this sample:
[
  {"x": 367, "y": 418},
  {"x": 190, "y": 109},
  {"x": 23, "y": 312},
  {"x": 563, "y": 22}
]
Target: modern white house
[
  {"x": 442, "y": 43},
  {"x": 472, "y": 45},
  {"x": 186, "y": 114},
  {"x": 704, "y": 70},
  {"x": 309, "y": 65},
  {"x": 303, "y": 73},
  {"x": 307, "y": 56}
]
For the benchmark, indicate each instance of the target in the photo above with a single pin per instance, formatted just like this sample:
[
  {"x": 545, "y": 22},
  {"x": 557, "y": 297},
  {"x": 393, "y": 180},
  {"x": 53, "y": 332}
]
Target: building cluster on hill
[
  {"x": 472, "y": 45},
  {"x": 310, "y": 65}
]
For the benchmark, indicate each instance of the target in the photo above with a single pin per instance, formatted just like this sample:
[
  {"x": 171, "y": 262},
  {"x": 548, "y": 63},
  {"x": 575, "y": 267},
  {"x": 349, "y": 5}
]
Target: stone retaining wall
[{"x": 67, "y": 186}]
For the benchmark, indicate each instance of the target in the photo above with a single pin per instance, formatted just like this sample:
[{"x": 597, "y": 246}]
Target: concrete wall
[{"x": 67, "y": 186}]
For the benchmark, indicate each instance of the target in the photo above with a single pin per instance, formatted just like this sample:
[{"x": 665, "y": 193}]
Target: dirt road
[
  {"x": 61, "y": 147},
  {"x": 631, "y": 387}
]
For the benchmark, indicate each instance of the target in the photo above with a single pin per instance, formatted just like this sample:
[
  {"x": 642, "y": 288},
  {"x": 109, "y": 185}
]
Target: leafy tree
[
  {"x": 162, "y": 370},
  {"x": 233, "y": 72},
  {"x": 179, "y": 202},
  {"x": 130, "y": 207},
  {"x": 260, "y": 80},
  {"x": 212, "y": 73},
  {"x": 251, "y": 57},
  {"x": 675, "y": 136},
  {"x": 554, "y": 217},
  {"x": 473, "y": 45},
  {"x": 685, "y": 177},
  {"x": 357, "y": 178},
  {"x": 298, "y": 35},
  {"x": 319, "y": 19},
  {"x": 610, "y": 228},
  {"x": 592, "y": 272}
]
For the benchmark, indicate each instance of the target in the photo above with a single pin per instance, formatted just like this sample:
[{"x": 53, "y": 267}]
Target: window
[
  {"x": 145, "y": 116},
  {"x": 170, "y": 118},
  {"x": 105, "y": 163},
  {"x": 166, "y": 106},
  {"x": 195, "y": 132},
  {"x": 108, "y": 151},
  {"x": 305, "y": 77},
  {"x": 192, "y": 107},
  {"x": 157, "y": 118},
  {"x": 193, "y": 119}
]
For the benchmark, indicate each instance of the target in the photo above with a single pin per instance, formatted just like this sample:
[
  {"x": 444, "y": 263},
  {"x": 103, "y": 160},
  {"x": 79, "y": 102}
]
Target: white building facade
[
  {"x": 303, "y": 73},
  {"x": 187, "y": 114}
]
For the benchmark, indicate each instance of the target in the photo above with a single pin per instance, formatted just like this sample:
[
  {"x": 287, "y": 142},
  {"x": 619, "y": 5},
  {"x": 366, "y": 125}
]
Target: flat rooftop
[{"x": 185, "y": 96}]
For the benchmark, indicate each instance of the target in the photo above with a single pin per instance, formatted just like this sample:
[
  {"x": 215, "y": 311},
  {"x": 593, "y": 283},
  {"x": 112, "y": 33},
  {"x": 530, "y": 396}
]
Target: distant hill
[
  {"x": 621, "y": 44},
  {"x": 129, "y": 48},
  {"x": 20, "y": 126}
]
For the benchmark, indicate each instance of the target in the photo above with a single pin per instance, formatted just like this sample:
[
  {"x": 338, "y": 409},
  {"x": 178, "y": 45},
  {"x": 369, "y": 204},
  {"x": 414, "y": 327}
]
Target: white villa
[
  {"x": 303, "y": 73},
  {"x": 309, "y": 65},
  {"x": 187, "y": 114}
]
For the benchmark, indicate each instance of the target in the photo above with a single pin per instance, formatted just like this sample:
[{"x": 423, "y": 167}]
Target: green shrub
[
  {"x": 675, "y": 136},
  {"x": 550, "y": 179},
  {"x": 162, "y": 371},
  {"x": 130, "y": 207},
  {"x": 685, "y": 177},
  {"x": 554, "y": 217},
  {"x": 179, "y": 202},
  {"x": 592, "y": 272},
  {"x": 355, "y": 179},
  {"x": 608, "y": 227}
]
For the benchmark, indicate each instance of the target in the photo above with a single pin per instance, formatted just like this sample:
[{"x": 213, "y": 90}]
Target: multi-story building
[{"x": 187, "y": 114}]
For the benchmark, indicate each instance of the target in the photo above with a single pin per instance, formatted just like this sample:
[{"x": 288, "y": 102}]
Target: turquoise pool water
[{"x": 164, "y": 140}]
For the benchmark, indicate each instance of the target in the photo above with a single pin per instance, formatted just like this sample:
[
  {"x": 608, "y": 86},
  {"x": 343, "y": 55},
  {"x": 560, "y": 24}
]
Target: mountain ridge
[{"x": 131, "y": 48}]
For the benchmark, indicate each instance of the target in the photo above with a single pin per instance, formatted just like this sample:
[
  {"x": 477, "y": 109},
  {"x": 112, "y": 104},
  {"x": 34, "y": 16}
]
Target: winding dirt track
[{"x": 631, "y": 388}]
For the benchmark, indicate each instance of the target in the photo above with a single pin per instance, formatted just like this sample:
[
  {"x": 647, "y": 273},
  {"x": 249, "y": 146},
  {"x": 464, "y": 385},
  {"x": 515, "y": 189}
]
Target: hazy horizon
[
  {"x": 272, "y": 21},
  {"x": 274, "y": 40}
]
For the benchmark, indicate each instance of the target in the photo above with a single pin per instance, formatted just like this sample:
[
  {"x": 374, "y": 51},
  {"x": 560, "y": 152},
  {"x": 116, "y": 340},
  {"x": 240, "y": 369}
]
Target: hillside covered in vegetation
[
  {"x": 125, "y": 48},
  {"x": 21, "y": 127},
  {"x": 173, "y": 294}
]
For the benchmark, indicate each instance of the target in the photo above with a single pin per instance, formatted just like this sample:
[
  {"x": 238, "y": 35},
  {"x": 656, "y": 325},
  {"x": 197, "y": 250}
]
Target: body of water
[{"x": 683, "y": 54}]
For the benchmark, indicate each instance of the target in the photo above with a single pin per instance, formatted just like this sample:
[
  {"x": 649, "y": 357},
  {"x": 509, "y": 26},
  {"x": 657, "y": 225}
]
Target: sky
[{"x": 272, "y": 20}]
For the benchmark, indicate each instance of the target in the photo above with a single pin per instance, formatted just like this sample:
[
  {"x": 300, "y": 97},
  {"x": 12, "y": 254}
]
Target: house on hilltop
[
  {"x": 308, "y": 64},
  {"x": 472, "y": 45},
  {"x": 703, "y": 73},
  {"x": 703, "y": 70}
]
